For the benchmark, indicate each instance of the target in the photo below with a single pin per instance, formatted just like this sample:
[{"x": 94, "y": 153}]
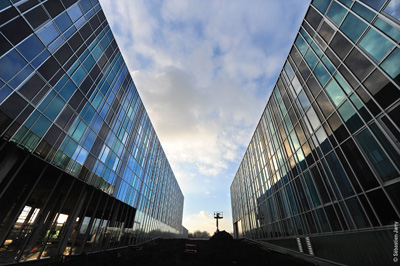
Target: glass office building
[
  {"x": 81, "y": 167},
  {"x": 321, "y": 172}
]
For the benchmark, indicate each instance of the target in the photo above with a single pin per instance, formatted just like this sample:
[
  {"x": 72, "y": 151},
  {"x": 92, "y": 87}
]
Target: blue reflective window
[
  {"x": 376, "y": 155},
  {"x": 311, "y": 59},
  {"x": 375, "y": 44},
  {"x": 10, "y": 64},
  {"x": 312, "y": 189},
  {"x": 363, "y": 12},
  {"x": 41, "y": 58},
  {"x": 74, "y": 12},
  {"x": 316, "y": 49},
  {"x": 337, "y": 13},
  {"x": 301, "y": 44},
  {"x": 70, "y": 148},
  {"x": 68, "y": 90},
  {"x": 63, "y": 21},
  {"x": 350, "y": 117},
  {"x": 340, "y": 176},
  {"x": 376, "y": 4},
  {"x": 89, "y": 140},
  {"x": 54, "y": 108},
  {"x": 391, "y": 64},
  {"x": 353, "y": 27},
  {"x": 31, "y": 47},
  {"x": 393, "y": 9},
  {"x": 335, "y": 93},
  {"x": 20, "y": 77},
  {"x": 48, "y": 34},
  {"x": 346, "y": 2},
  {"x": 97, "y": 51},
  {"x": 79, "y": 74},
  {"x": 41, "y": 126},
  {"x": 4, "y": 92},
  {"x": 321, "y": 5},
  {"x": 80, "y": 129},
  {"x": 388, "y": 29},
  {"x": 47, "y": 100},
  {"x": 289, "y": 70},
  {"x": 321, "y": 74},
  {"x": 88, "y": 63}
]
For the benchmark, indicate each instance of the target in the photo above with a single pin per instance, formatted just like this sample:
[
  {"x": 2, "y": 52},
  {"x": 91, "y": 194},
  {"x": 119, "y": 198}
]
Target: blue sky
[{"x": 204, "y": 70}]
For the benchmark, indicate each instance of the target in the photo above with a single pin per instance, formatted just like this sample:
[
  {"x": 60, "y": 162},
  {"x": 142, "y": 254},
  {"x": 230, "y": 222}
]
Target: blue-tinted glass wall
[
  {"x": 325, "y": 155},
  {"x": 66, "y": 95}
]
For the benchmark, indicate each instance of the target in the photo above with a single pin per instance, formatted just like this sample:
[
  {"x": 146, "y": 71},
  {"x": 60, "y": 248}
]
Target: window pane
[
  {"x": 350, "y": 117},
  {"x": 376, "y": 4},
  {"x": 388, "y": 29},
  {"x": 312, "y": 116},
  {"x": 325, "y": 104},
  {"x": 313, "y": 18},
  {"x": 63, "y": 22},
  {"x": 321, "y": 74},
  {"x": 383, "y": 90},
  {"x": 363, "y": 11},
  {"x": 41, "y": 126},
  {"x": 321, "y": 5},
  {"x": 376, "y": 155},
  {"x": 54, "y": 108},
  {"x": 301, "y": 45},
  {"x": 360, "y": 107},
  {"x": 393, "y": 9},
  {"x": 375, "y": 44},
  {"x": 353, "y": 27},
  {"x": 335, "y": 92},
  {"x": 346, "y": 2},
  {"x": 391, "y": 64},
  {"x": 359, "y": 64},
  {"x": 328, "y": 64},
  {"x": 357, "y": 212},
  {"x": 10, "y": 64},
  {"x": 337, "y": 13},
  {"x": 31, "y": 47},
  {"x": 304, "y": 100},
  {"x": 311, "y": 59},
  {"x": 74, "y": 12},
  {"x": 48, "y": 34}
]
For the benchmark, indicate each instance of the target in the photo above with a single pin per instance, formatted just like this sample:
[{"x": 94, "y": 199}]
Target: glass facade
[
  {"x": 66, "y": 97},
  {"x": 324, "y": 159}
]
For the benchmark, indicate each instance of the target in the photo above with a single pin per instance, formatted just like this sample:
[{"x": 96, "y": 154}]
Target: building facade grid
[
  {"x": 324, "y": 158},
  {"x": 66, "y": 96}
]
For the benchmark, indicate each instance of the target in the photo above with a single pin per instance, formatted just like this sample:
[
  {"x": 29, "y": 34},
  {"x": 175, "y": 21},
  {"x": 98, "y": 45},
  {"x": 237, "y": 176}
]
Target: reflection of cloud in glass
[{"x": 393, "y": 9}]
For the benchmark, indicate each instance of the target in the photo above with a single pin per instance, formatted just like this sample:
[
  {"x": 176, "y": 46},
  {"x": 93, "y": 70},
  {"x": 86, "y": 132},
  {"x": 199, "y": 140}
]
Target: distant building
[
  {"x": 81, "y": 167},
  {"x": 321, "y": 172}
]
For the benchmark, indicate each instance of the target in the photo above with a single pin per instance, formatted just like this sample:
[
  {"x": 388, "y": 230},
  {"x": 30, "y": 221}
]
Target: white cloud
[{"x": 204, "y": 70}]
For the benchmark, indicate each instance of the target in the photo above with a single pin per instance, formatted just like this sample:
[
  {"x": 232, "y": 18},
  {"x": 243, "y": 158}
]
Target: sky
[{"x": 204, "y": 71}]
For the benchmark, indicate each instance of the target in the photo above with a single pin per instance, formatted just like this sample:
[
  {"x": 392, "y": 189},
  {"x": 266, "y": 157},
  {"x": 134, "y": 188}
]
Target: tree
[{"x": 199, "y": 234}]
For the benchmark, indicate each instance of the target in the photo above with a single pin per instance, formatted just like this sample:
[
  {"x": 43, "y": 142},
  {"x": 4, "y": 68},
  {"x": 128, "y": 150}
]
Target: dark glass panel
[
  {"x": 347, "y": 168},
  {"x": 346, "y": 74},
  {"x": 391, "y": 128},
  {"x": 8, "y": 14},
  {"x": 394, "y": 194},
  {"x": 332, "y": 217},
  {"x": 54, "y": 7},
  {"x": 368, "y": 101},
  {"x": 368, "y": 210},
  {"x": 11, "y": 64},
  {"x": 340, "y": 45},
  {"x": 36, "y": 17},
  {"x": 4, "y": 45},
  {"x": 395, "y": 115},
  {"x": 63, "y": 54},
  {"x": 49, "y": 68},
  {"x": 383, "y": 91},
  {"x": 320, "y": 184},
  {"x": 325, "y": 104},
  {"x": 339, "y": 130},
  {"x": 295, "y": 56},
  {"x": 304, "y": 70},
  {"x": 376, "y": 155},
  {"x": 361, "y": 169},
  {"x": 313, "y": 17},
  {"x": 313, "y": 85},
  {"x": 27, "y": 5},
  {"x": 332, "y": 57},
  {"x": 75, "y": 42},
  {"x": 52, "y": 135},
  {"x": 32, "y": 87},
  {"x": 323, "y": 220},
  {"x": 326, "y": 32},
  {"x": 31, "y": 47},
  {"x": 68, "y": 3},
  {"x": 339, "y": 176},
  {"x": 357, "y": 212},
  {"x": 383, "y": 207},
  {"x": 13, "y": 105},
  {"x": 15, "y": 36},
  {"x": 359, "y": 64},
  {"x": 350, "y": 117}
]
